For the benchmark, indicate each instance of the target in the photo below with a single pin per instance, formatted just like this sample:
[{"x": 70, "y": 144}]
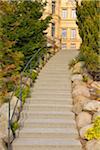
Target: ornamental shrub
[{"x": 94, "y": 132}]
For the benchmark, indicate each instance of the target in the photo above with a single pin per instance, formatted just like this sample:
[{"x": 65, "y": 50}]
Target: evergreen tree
[
  {"x": 22, "y": 33},
  {"x": 88, "y": 24}
]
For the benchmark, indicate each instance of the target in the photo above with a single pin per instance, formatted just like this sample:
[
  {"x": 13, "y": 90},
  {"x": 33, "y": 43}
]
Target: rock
[
  {"x": 4, "y": 129},
  {"x": 14, "y": 101},
  {"x": 78, "y": 67},
  {"x": 76, "y": 77},
  {"x": 96, "y": 85},
  {"x": 77, "y": 108},
  {"x": 4, "y": 118},
  {"x": 83, "y": 119},
  {"x": 93, "y": 106},
  {"x": 4, "y": 108},
  {"x": 97, "y": 114},
  {"x": 93, "y": 145},
  {"x": 80, "y": 98},
  {"x": 81, "y": 90},
  {"x": 84, "y": 129},
  {"x": 2, "y": 146},
  {"x": 78, "y": 82}
]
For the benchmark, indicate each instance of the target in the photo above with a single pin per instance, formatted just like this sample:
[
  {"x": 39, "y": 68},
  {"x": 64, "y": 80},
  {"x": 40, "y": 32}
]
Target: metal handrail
[{"x": 10, "y": 117}]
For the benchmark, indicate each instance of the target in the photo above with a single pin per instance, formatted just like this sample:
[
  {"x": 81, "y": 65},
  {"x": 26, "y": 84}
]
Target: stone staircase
[{"x": 48, "y": 123}]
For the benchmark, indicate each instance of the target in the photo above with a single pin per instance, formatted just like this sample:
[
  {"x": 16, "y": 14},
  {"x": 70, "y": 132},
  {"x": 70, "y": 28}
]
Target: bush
[
  {"x": 10, "y": 86},
  {"x": 88, "y": 24},
  {"x": 14, "y": 126},
  {"x": 25, "y": 93},
  {"x": 34, "y": 75},
  {"x": 85, "y": 78},
  {"x": 72, "y": 63},
  {"x": 94, "y": 132}
]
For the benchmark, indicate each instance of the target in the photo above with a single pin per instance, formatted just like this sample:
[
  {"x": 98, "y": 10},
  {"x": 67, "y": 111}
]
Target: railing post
[
  {"x": 9, "y": 125},
  {"x": 30, "y": 75},
  {"x": 20, "y": 97}
]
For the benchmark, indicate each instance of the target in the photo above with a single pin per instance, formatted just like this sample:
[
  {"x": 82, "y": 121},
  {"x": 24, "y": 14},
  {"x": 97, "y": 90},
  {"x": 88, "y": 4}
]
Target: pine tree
[
  {"x": 88, "y": 24},
  {"x": 22, "y": 33}
]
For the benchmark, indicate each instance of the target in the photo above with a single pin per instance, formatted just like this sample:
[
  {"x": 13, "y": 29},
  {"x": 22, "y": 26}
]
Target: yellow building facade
[{"x": 63, "y": 29}]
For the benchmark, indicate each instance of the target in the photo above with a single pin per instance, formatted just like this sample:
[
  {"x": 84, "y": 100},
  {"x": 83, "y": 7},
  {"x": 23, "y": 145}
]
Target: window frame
[
  {"x": 64, "y": 13},
  {"x": 73, "y": 35},
  {"x": 62, "y": 33}
]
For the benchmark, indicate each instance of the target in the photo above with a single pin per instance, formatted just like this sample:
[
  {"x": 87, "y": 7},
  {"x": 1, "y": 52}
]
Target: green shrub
[
  {"x": 92, "y": 61},
  {"x": 72, "y": 63},
  {"x": 25, "y": 93},
  {"x": 85, "y": 78},
  {"x": 34, "y": 75},
  {"x": 94, "y": 132},
  {"x": 14, "y": 126},
  {"x": 10, "y": 86}
]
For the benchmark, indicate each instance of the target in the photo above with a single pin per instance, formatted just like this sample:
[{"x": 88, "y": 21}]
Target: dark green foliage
[
  {"x": 25, "y": 27},
  {"x": 88, "y": 24},
  {"x": 14, "y": 126},
  {"x": 22, "y": 33},
  {"x": 25, "y": 93},
  {"x": 34, "y": 76}
]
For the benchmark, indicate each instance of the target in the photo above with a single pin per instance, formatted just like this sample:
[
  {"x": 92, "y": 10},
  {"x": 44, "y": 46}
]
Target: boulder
[
  {"x": 96, "y": 114},
  {"x": 4, "y": 118},
  {"x": 78, "y": 67},
  {"x": 76, "y": 77},
  {"x": 14, "y": 101},
  {"x": 93, "y": 106},
  {"x": 80, "y": 98},
  {"x": 84, "y": 129},
  {"x": 4, "y": 108},
  {"x": 81, "y": 90},
  {"x": 93, "y": 145},
  {"x": 4, "y": 129},
  {"x": 95, "y": 85},
  {"x": 78, "y": 82},
  {"x": 77, "y": 108},
  {"x": 2, "y": 145},
  {"x": 83, "y": 119}
]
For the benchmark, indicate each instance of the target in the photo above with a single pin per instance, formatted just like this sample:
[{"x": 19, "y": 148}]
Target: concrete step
[
  {"x": 54, "y": 82},
  {"x": 64, "y": 133},
  {"x": 50, "y": 95},
  {"x": 49, "y": 123},
  {"x": 51, "y": 86},
  {"x": 50, "y": 98},
  {"x": 43, "y": 73},
  {"x": 51, "y": 75},
  {"x": 45, "y": 107},
  {"x": 50, "y": 91},
  {"x": 46, "y": 144},
  {"x": 49, "y": 101},
  {"x": 48, "y": 115}
]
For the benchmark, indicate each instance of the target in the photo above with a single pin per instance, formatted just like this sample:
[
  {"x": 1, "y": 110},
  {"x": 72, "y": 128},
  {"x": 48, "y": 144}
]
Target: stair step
[
  {"x": 46, "y": 144},
  {"x": 46, "y": 115},
  {"x": 49, "y": 98},
  {"x": 45, "y": 107},
  {"x": 50, "y": 92},
  {"x": 49, "y": 101},
  {"x": 50, "y": 86},
  {"x": 54, "y": 95},
  {"x": 64, "y": 133},
  {"x": 49, "y": 123}
]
